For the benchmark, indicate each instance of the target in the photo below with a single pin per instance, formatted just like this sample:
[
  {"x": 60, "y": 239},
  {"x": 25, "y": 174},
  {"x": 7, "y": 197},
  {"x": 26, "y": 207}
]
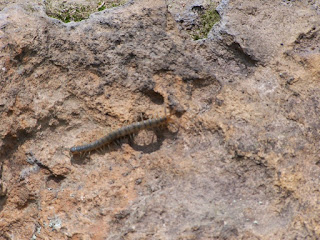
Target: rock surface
[{"x": 240, "y": 162}]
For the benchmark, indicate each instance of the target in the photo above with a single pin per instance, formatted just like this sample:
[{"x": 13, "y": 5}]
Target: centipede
[{"x": 116, "y": 135}]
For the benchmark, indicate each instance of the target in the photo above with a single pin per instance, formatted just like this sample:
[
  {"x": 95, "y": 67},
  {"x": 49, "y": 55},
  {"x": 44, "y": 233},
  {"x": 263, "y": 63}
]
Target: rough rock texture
[{"x": 244, "y": 163}]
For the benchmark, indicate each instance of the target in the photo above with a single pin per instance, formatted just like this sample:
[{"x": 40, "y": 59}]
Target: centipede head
[{"x": 170, "y": 120}]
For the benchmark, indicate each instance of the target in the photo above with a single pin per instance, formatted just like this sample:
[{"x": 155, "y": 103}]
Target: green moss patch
[
  {"x": 68, "y": 11},
  {"x": 207, "y": 19}
]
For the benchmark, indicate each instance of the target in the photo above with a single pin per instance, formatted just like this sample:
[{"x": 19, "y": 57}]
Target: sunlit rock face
[{"x": 240, "y": 159}]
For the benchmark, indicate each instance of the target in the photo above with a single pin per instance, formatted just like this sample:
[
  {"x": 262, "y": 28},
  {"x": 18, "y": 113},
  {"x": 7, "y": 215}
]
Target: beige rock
[{"x": 241, "y": 160}]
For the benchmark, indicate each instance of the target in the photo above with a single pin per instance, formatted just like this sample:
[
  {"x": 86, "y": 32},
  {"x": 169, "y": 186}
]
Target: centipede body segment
[{"x": 120, "y": 133}]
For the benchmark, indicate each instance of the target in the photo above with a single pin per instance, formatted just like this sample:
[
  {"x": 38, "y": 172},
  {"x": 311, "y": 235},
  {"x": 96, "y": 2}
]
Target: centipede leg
[
  {"x": 131, "y": 137},
  {"x": 152, "y": 138}
]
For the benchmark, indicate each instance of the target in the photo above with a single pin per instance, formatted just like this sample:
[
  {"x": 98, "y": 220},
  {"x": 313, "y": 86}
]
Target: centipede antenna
[{"x": 141, "y": 116}]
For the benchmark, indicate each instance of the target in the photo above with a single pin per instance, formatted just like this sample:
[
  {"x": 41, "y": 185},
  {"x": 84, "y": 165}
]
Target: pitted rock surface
[{"x": 240, "y": 161}]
